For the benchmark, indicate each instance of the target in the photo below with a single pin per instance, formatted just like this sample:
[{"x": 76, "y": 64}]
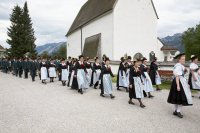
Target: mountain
[
  {"x": 175, "y": 40},
  {"x": 49, "y": 47}
]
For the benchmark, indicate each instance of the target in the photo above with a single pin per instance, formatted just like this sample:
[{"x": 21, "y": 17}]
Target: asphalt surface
[{"x": 27, "y": 107}]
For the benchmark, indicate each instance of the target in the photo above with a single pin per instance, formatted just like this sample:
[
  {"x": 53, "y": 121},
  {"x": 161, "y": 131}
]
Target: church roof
[{"x": 93, "y": 9}]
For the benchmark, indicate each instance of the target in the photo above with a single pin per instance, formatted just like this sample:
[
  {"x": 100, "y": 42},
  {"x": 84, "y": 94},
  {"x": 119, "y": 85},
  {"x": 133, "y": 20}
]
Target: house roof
[
  {"x": 93, "y": 9},
  {"x": 168, "y": 48}
]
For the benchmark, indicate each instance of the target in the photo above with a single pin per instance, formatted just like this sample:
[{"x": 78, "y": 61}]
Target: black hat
[
  {"x": 193, "y": 57},
  {"x": 178, "y": 54},
  {"x": 129, "y": 57},
  {"x": 143, "y": 59},
  {"x": 107, "y": 59},
  {"x": 96, "y": 58},
  {"x": 122, "y": 59}
]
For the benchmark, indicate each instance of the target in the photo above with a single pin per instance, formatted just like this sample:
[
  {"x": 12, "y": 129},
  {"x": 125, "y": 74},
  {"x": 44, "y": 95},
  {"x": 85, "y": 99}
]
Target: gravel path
[{"x": 27, "y": 107}]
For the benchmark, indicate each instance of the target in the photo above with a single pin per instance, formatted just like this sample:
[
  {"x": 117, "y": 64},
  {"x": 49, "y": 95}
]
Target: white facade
[
  {"x": 130, "y": 28},
  {"x": 103, "y": 25}
]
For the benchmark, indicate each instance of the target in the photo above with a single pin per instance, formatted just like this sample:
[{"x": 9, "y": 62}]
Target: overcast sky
[{"x": 52, "y": 18}]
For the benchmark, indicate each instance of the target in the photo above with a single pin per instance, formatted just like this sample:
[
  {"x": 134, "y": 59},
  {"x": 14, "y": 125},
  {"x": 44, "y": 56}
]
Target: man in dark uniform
[
  {"x": 38, "y": 66},
  {"x": 33, "y": 68},
  {"x": 26, "y": 68},
  {"x": 15, "y": 68},
  {"x": 20, "y": 67},
  {"x": 6, "y": 65}
]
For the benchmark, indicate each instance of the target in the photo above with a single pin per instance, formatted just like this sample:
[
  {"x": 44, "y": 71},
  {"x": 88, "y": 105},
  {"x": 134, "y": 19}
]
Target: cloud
[
  {"x": 52, "y": 18},
  {"x": 176, "y": 16}
]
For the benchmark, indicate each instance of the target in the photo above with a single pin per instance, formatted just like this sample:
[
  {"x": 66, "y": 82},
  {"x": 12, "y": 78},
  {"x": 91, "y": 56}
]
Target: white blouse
[
  {"x": 178, "y": 70},
  {"x": 193, "y": 66}
]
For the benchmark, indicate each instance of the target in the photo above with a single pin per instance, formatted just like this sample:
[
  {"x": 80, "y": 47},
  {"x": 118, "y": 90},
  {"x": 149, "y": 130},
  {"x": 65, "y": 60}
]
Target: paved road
[{"x": 27, "y": 107}]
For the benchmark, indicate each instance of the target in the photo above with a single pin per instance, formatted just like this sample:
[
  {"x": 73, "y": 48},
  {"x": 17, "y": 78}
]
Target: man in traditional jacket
[
  {"x": 33, "y": 68},
  {"x": 20, "y": 67},
  {"x": 26, "y": 68}
]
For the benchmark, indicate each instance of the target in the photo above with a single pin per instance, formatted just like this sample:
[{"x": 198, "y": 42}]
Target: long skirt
[
  {"x": 182, "y": 97},
  {"x": 127, "y": 75},
  {"x": 82, "y": 79},
  {"x": 96, "y": 76},
  {"x": 64, "y": 75},
  {"x": 137, "y": 90},
  {"x": 123, "y": 82},
  {"x": 89, "y": 76},
  {"x": 52, "y": 72},
  {"x": 148, "y": 87},
  {"x": 71, "y": 78},
  {"x": 107, "y": 84},
  {"x": 44, "y": 73},
  {"x": 196, "y": 84},
  {"x": 158, "y": 79}
]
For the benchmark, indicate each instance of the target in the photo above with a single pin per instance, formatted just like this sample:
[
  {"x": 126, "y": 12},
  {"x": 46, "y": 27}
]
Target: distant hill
[
  {"x": 49, "y": 47},
  {"x": 175, "y": 40}
]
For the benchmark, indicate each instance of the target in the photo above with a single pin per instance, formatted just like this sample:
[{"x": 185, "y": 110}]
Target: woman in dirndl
[
  {"x": 73, "y": 81},
  {"x": 43, "y": 71},
  {"x": 96, "y": 72},
  {"x": 148, "y": 87},
  {"x": 52, "y": 71},
  {"x": 136, "y": 87},
  {"x": 81, "y": 75},
  {"x": 69, "y": 64},
  {"x": 121, "y": 76},
  {"x": 106, "y": 80},
  {"x": 88, "y": 66},
  {"x": 180, "y": 94},
  {"x": 64, "y": 72},
  {"x": 129, "y": 64},
  {"x": 154, "y": 74},
  {"x": 194, "y": 76}
]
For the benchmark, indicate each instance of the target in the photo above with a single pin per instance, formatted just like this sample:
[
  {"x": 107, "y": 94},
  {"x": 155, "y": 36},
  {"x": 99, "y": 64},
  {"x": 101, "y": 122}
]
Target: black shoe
[
  {"x": 118, "y": 89},
  {"x": 179, "y": 115},
  {"x": 112, "y": 97},
  {"x": 142, "y": 106},
  {"x": 80, "y": 91},
  {"x": 95, "y": 87},
  {"x": 158, "y": 89},
  {"x": 151, "y": 96},
  {"x": 130, "y": 102},
  {"x": 175, "y": 113},
  {"x": 102, "y": 95}
]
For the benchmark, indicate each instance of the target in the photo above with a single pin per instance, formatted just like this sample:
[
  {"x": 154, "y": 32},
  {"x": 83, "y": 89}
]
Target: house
[
  {"x": 2, "y": 52},
  {"x": 169, "y": 51},
  {"x": 115, "y": 28}
]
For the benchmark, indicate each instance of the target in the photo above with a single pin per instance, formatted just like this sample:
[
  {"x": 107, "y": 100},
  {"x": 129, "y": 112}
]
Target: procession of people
[{"x": 134, "y": 75}]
